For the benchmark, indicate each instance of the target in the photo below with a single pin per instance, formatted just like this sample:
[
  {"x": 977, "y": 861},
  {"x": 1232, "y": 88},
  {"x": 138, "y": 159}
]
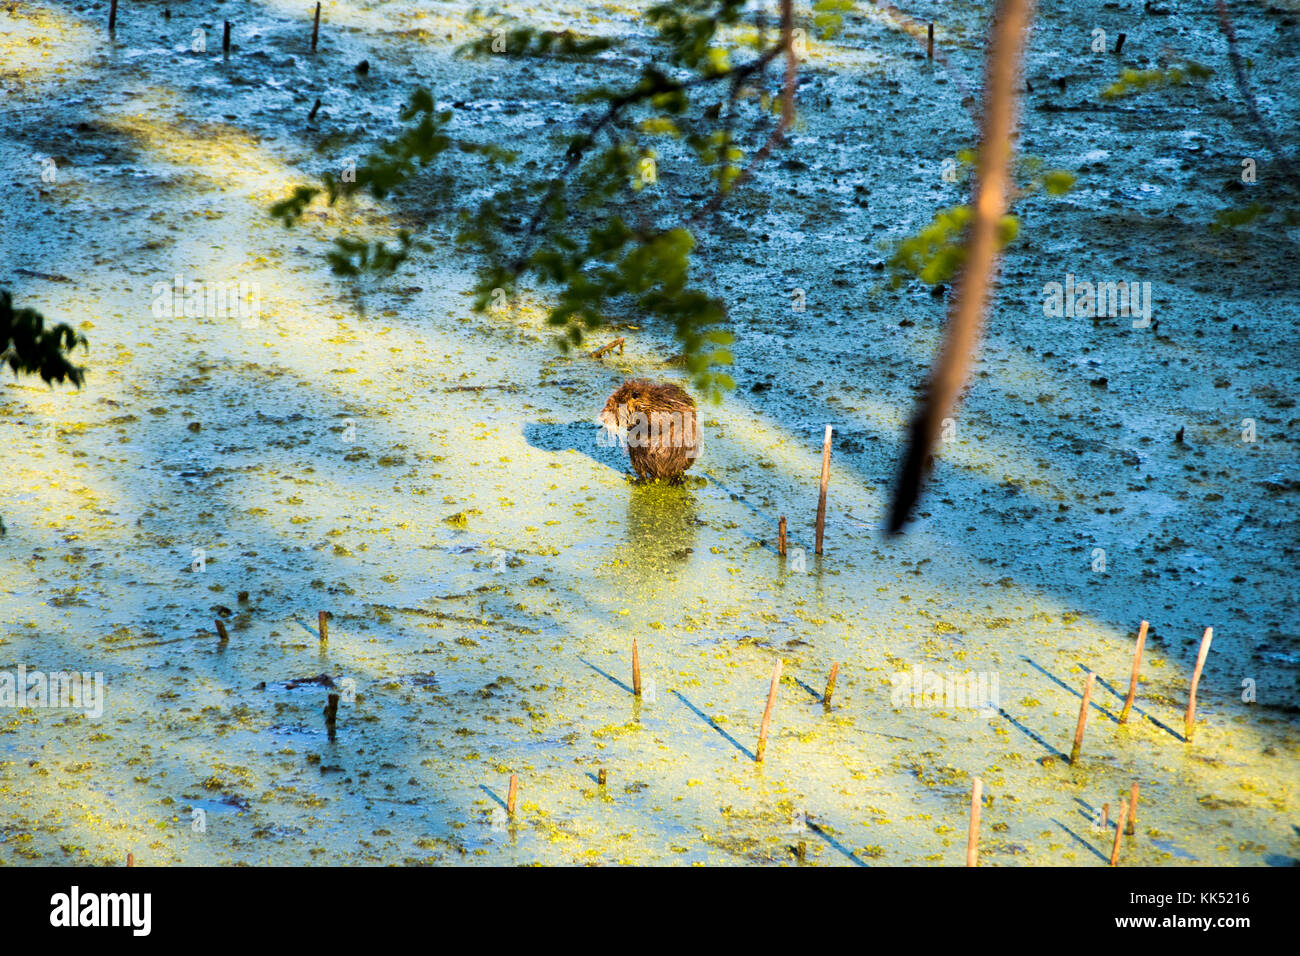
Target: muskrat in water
[{"x": 656, "y": 421}]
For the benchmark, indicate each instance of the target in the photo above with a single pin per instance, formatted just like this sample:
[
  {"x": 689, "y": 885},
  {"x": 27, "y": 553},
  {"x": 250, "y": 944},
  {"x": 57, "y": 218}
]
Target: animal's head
[{"x": 621, "y": 407}]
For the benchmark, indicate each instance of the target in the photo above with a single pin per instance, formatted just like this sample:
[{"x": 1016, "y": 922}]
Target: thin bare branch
[
  {"x": 579, "y": 149},
  {"x": 777, "y": 135},
  {"x": 973, "y": 289},
  {"x": 1248, "y": 95}
]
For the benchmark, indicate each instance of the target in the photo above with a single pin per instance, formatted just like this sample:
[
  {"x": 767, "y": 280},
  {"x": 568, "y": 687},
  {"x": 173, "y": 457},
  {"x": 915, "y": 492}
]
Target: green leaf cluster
[
  {"x": 611, "y": 245},
  {"x": 828, "y": 16},
  {"x": 936, "y": 253},
  {"x": 690, "y": 27},
  {"x": 27, "y": 346},
  {"x": 1132, "y": 81}
]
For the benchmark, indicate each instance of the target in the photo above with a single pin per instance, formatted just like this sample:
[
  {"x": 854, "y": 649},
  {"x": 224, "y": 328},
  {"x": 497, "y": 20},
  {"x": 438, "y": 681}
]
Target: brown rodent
[{"x": 656, "y": 421}]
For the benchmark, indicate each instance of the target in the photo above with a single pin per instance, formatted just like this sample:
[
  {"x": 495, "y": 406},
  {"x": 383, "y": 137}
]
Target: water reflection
[{"x": 659, "y": 537}]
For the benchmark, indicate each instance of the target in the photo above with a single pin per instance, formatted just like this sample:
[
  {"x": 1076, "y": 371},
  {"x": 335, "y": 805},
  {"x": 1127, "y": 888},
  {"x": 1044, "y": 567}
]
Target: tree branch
[
  {"x": 578, "y": 150},
  {"x": 787, "y": 113},
  {"x": 1243, "y": 87},
  {"x": 972, "y": 293}
]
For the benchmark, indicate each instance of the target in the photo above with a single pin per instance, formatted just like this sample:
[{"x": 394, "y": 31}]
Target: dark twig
[
  {"x": 1248, "y": 95},
  {"x": 616, "y": 344}
]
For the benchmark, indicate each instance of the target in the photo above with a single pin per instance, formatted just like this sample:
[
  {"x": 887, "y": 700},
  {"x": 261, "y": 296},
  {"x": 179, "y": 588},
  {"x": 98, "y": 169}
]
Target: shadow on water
[
  {"x": 1136, "y": 709},
  {"x": 1030, "y": 734},
  {"x": 1083, "y": 843},
  {"x": 608, "y": 676},
  {"x": 835, "y": 844},
  {"x": 660, "y": 529},
  {"x": 492, "y": 793},
  {"x": 813, "y": 691},
  {"x": 1086, "y": 809},
  {"x": 585, "y": 437},
  {"x": 314, "y": 632},
  {"x": 714, "y": 724},
  {"x": 1066, "y": 687}
]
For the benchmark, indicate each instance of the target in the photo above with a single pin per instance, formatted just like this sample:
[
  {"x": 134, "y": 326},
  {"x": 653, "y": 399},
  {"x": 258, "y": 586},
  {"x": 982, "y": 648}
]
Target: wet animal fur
[{"x": 657, "y": 423}]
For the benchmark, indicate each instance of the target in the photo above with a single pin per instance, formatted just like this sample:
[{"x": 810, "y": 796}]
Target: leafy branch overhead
[
  {"x": 28, "y": 347},
  {"x": 385, "y": 172},
  {"x": 1182, "y": 72},
  {"x": 598, "y": 230},
  {"x": 936, "y": 253}
]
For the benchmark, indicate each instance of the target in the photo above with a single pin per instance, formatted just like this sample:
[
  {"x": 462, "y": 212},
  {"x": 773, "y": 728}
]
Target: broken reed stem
[
  {"x": 600, "y": 776},
  {"x": 222, "y": 636},
  {"x": 1119, "y": 43},
  {"x": 1083, "y": 718},
  {"x": 312, "y": 115},
  {"x": 830, "y": 684},
  {"x": 826, "y": 477},
  {"x": 929, "y": 43},
  {"x": 973, "y": 839},
  {"x": 512, "y": 794},
  {"x": 767, "y": 713},
  {"x": 322, "y": 624},
  {"x": 1131, "y": 827},
  {"x": 332, "y": 710},
  {"x": 130, "y": 857},
  {"x": 112, "y": 25},
  {"x": 1196, "y": 679},
  {"x": 780, "y": 537},
  {"x": 225, "y": 39},
  {"x": 315, "y": 28},
  {"x": 1133, "y": 677},
  {"x": 636, "y": 670},
  {"x": 1105, "y": 816},
  {"x": 617, "y": 343},
  {"x": 1119, "y": 832}
]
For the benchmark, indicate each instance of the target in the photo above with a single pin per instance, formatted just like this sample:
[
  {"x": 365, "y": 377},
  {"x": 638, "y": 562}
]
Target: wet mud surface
[{"x": 431, "y": 477}]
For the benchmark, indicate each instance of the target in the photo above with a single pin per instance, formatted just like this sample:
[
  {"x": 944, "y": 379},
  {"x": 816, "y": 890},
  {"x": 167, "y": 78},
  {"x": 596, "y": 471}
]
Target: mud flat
[{"x": 431, "y": 478}]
